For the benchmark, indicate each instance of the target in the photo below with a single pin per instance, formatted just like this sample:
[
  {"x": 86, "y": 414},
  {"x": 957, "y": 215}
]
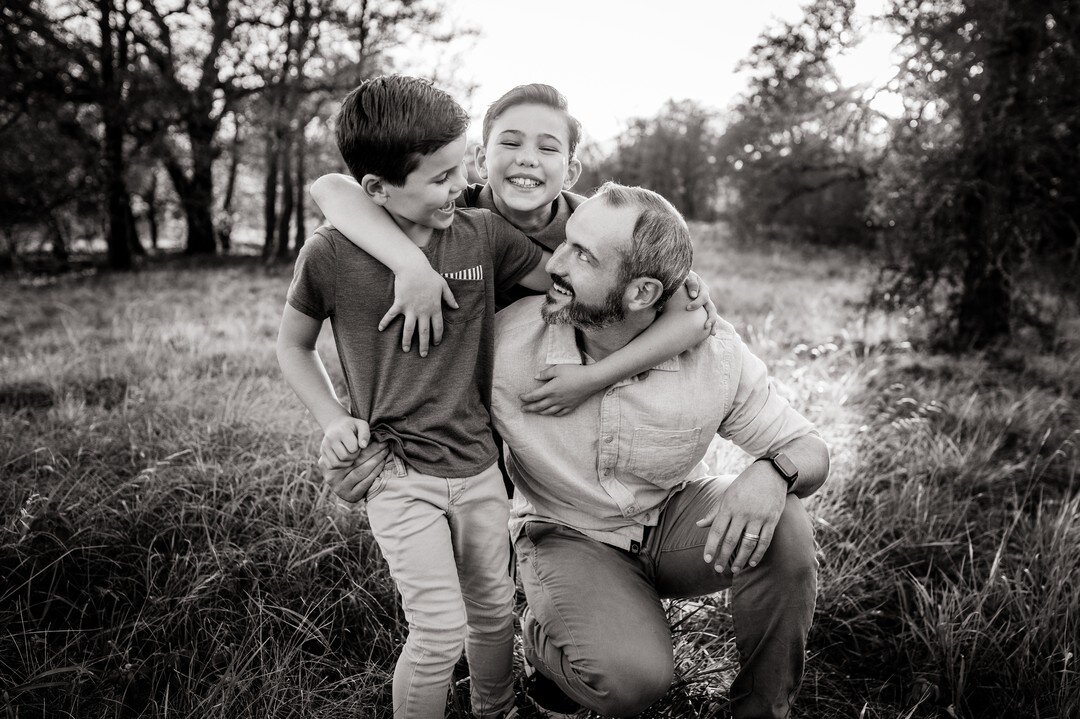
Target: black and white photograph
[{"x": 473, "y": 359}]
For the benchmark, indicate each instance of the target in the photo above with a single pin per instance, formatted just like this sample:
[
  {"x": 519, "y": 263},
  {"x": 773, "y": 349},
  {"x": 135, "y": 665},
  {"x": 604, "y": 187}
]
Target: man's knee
[
  {"x": 626, "y": 683},
  {"x": 792, "y": 552}
]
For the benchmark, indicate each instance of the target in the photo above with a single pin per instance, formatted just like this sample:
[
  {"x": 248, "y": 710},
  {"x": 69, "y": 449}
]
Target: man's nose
[{"x": 555, "y": 263}]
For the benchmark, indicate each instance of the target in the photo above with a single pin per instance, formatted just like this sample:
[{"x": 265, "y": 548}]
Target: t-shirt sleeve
[
  {"x": 515, "y": 255},
  {"x": 760, "y": 421},
  {"x": 312, "y": 287}
]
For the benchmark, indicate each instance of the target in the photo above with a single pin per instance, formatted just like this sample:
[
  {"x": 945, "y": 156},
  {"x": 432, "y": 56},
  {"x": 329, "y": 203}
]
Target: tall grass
[{"x": 167, "y": 550}]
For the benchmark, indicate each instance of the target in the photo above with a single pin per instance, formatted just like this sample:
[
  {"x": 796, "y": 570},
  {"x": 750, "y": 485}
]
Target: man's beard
[{"x": 585, "y": 316}]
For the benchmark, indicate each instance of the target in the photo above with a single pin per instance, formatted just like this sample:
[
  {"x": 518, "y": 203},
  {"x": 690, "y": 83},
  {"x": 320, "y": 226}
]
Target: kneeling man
[{"x": 614, "y": 510}]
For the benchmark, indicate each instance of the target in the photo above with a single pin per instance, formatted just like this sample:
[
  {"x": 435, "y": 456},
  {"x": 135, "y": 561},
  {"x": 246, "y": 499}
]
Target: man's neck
[
  {"x": 528, "y": 222},
  {"x": 598, "y": 344}
]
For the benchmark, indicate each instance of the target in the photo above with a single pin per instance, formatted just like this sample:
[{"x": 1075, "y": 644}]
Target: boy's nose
[{"x": 527, "y": 158}]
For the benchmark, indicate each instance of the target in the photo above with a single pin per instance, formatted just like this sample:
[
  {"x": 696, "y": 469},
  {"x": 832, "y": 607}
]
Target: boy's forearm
[
  {"x": 307, "y": 376},
  {"x": 365, "y": 224},
  {"x": 671, "y": 334}
]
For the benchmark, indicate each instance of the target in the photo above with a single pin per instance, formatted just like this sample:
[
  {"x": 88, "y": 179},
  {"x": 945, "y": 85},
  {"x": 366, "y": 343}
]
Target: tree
[
  {"x": 985, "y": 167},
  {"x": 673, "y": 153},
  {"x": 801, "y": 150}
]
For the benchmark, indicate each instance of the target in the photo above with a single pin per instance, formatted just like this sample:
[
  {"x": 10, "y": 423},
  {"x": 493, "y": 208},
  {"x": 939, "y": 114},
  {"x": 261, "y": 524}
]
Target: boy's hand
[
  {"x": 419, "y": 294},
  {"x": 699, "y": 296},
  {"x": 343, "y": 440},
  {"x": 352, "y": 481},
  {"x": 566, "y": 386}
]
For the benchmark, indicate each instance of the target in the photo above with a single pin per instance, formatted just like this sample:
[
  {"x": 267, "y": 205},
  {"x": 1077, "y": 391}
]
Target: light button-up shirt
[{"x": 607, "y": 468}]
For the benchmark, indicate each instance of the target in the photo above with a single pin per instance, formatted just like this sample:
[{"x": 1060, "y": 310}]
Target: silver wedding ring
[{"x": 749, "y": 535}]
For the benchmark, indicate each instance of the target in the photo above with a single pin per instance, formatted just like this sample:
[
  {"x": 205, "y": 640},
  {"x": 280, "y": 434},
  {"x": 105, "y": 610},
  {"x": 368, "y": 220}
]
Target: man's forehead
[{"x": 600, "y": 227}]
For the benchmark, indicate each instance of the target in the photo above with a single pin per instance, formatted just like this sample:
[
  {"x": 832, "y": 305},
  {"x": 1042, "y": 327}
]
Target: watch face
[{"x": 785, "y": 466}]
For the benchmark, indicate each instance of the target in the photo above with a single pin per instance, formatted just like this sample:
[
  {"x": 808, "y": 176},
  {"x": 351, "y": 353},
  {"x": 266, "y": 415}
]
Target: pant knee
[
  {"x": 434, "y": 645},
  {"x": 627, "y": 685},
  {"x": 792, "y": 553}
]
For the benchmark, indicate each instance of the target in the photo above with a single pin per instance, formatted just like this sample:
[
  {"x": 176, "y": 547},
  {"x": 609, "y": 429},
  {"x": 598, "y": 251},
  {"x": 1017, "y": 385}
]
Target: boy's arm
[
  {"x": 569, "y": 385},
  {"x": 418, "y": 289},
  {"x": 306, "y": 374}
]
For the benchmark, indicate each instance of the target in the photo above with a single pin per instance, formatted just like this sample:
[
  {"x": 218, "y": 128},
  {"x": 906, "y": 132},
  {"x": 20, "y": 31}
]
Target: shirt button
[
  {"x": 610, "y": 392},
  {"x": 607, "y": 472},
  {"x": 608, "y": 440},
  {"x": 631, "y": 509}
]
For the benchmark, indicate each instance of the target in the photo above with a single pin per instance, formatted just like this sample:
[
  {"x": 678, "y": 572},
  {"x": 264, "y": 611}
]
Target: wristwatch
[{"x": 784, "y": 466}]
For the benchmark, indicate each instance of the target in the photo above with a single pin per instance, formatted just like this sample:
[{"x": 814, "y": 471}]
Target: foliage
[
  {"x": 982, "y": 176},
  {"x": 165, "y": 548},
  {"x": 673, "y": 153},
  {"x": 800, "y": 149}
]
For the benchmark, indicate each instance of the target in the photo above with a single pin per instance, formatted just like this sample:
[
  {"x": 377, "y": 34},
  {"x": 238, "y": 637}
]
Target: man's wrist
[{"x": 780, "y": 467}]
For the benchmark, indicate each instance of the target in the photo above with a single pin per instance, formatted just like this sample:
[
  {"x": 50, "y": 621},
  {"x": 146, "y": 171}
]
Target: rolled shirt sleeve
[{"x": 760, "y": 420}]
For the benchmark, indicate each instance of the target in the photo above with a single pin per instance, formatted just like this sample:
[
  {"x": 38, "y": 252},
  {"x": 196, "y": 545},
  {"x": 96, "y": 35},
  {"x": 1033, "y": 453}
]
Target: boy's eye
[
  {"x": 550, "y": 149},
  {"x": 508, "y": 143},
  {"x": 443, "y": 179}
]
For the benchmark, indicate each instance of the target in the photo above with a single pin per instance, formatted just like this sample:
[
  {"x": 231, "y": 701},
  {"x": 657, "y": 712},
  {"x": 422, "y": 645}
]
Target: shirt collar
[{"x": 562, "y": 348}]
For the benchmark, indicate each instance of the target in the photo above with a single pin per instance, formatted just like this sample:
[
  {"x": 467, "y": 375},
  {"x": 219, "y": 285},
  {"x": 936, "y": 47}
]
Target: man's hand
[
  {"x": 343, "y": 440},
  {"x": 419, "y": 294},
  {"x": 352, "y": 481},
  {"x": 699, "y": 296},
  {"x": 751, "y": 505},
  {"x": 566, "y": 386}
]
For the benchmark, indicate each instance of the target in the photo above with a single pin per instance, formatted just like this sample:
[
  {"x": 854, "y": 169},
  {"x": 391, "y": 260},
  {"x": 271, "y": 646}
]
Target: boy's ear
[
  {"x": 481, "y": 162},
  {"x": 642, "y": 293},
  {"x": 375, "y": 187},
  {"x": 573, "y": 172}
]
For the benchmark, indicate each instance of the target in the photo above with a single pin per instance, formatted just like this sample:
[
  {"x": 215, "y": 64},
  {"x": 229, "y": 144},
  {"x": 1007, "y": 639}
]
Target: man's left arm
[{"x": 763, "y": 424}]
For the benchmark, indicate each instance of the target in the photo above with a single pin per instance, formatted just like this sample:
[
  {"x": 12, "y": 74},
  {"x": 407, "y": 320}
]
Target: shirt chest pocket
[
  {"x": 471, "y": 296},
  {"x": 663, "y": 456}
]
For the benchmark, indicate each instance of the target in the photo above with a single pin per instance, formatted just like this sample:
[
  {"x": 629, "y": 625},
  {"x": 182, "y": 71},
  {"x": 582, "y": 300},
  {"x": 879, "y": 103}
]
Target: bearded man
[{"x": 614, "y": 509}]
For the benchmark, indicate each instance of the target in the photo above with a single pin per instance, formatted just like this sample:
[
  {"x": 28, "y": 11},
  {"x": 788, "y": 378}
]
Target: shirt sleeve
[
  {"x": 760, "y": 420},
  {"x": 514, "y": 254},
  {"x": 313, "y": 283}
]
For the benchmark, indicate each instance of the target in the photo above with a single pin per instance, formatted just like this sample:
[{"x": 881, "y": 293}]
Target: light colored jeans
[
  {"x": 596, "y": 626},
  {"x": 447, "y": 546}
]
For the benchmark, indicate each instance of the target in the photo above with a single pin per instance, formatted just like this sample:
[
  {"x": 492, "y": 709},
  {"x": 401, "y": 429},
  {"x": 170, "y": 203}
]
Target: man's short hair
[
  {"x": 534, "y": 94},
  {"x": 387, "y": 123},
  {"x": 660, "y": 246}
]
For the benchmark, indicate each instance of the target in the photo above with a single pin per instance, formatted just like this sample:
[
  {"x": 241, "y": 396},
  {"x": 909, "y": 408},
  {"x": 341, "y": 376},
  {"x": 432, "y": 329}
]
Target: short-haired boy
[{"x": 437, "y": 508}]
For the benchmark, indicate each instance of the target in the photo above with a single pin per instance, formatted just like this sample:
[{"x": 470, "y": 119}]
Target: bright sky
[{"x": 619, "y": 59}]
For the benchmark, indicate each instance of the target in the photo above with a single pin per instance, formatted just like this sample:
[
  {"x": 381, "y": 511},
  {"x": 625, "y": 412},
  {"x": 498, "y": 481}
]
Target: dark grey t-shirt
[{"x": 433, "y": 410}]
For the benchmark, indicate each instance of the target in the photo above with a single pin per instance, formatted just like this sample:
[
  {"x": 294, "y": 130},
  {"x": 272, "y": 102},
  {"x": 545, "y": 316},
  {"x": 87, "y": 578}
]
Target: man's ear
[
  {"x": 376, "y": 188},
  {"x": 481, "y": 162},
  {"x": 573, "y": 172},
  {"x": 642, "y": 293}
]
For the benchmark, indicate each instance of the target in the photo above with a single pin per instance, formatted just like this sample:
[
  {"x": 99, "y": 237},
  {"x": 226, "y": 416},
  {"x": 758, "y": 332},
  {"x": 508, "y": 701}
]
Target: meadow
[{"x": 167, "y": 548}]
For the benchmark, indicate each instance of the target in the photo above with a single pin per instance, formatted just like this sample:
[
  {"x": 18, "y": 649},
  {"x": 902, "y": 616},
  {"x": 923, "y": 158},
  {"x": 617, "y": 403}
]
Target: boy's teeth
[{"x": 524, "y": 182}]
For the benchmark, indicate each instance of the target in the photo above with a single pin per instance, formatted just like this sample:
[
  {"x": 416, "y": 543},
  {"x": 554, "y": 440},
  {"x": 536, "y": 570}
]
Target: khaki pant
[
  {"x": 596, "y": 626},
  {"x": 445, "y": 541}
]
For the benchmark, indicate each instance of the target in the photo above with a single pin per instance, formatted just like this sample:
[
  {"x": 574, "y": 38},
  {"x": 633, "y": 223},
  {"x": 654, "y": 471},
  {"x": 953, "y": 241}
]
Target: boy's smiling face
[
  {"x": 526, "y": 160},
  {"x": 427, "y": 197}
]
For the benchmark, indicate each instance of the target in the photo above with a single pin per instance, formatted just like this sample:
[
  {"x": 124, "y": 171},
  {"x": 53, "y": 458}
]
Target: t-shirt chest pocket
[
  {"x": 663, "y": 456},
  {"x": 469, "y": 288}
]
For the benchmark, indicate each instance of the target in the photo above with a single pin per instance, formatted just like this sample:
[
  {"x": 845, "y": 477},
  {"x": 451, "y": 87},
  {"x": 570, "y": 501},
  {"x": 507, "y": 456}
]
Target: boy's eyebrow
[{"x": 519, "y": 133}]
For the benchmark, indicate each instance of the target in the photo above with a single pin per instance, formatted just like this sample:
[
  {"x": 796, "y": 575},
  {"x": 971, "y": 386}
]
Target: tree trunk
[
  {"x": 152, "y": 210},
  {"x": 270, "y": 194},
  {"x": 117, "y": 202},
  {"x": 59, "y": 241},
  {"x": 225, "y": 226},
  {"x": 285, "y": 217},
  {"x": 198, "y": 204},
  {"x": 301, "y": 180}
]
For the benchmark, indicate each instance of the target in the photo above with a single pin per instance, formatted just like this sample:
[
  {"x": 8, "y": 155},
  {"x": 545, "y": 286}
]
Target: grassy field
[{"x": 166, "y": 548}]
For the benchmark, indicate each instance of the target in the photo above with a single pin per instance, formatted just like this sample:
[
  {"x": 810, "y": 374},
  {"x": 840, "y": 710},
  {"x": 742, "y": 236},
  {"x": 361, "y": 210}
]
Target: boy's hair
[
  {"x": 534, "y": 94},
  {"x": 660, "y": 246},
  {"x": 387, "y": 123}
]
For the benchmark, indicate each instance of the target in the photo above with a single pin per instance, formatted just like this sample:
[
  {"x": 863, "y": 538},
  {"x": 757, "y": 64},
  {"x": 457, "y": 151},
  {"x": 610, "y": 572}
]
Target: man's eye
[{"x": 583, "y": 256}]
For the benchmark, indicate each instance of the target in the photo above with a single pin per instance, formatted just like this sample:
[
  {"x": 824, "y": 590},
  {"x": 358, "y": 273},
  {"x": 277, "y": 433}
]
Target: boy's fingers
[
  {"x": 546, "y": 374},
  {"x": 536, "y": 407},
  {"x": 534, "y": 395},
  {"x": 407, "y": 333},
  {"x": 448, "y": 295},
  {"x": 391, "y": 313},
  {"x": 436, "y": 327},
  {"x": 425, "y": 337}
]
